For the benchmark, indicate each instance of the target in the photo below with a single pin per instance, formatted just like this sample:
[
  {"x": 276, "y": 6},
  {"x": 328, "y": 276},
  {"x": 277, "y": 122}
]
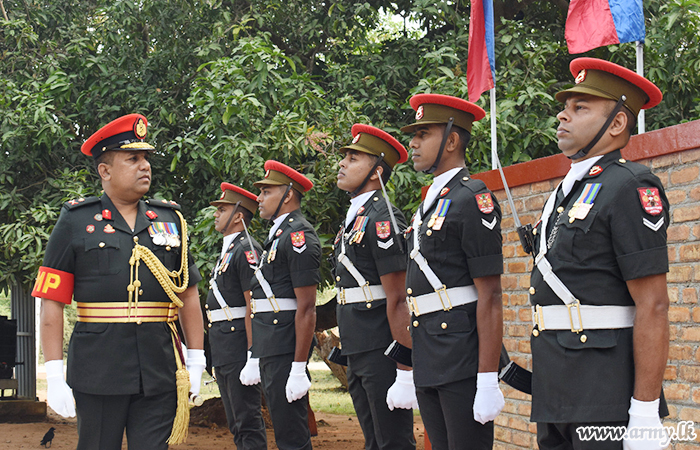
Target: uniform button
[
  {"x": 560, "y": 209},
  {"x": 275, "y": 321},
  {"x": 420, "y": 222},
  {"x": 465, "y": 178},
  {"x": 138, "y": 322},
  {"x": 101, "y": 244},
  {"x": 291, "y": 219},
  {"x": 337, "y": 278},
  {"x": 375, "y": 199},
  {"x": 206, "y": 305},
  {"x": 415, "y": 323},
  {"x": 332, "y": 247},
  {"x": 571, "y": 220},
  {"x": 622, "y": 160},
  {"x": 136, "y": 238},
  {"x": 535, "y": 332},
  {"x": 409, "y": 291},
  {"x": 167, "y": 248},
  {"x": 583, "y": 338},
  {"x": 369, "y": 305},
  {"x": 443, "y": 325},
  {"x": 233, "y": 328},
  {"x": 140, "y": 291},
  {"x": 534, "y": 231},
  {"x": 209, "y": 325},
  {"x": 532, "y": 290},
  {"x": 429, "y": 233},
  {"x": 252, "y": 316}
]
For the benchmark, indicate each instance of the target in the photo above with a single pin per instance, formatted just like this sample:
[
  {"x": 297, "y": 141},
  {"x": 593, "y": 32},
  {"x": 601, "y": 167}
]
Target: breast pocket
[
  {"x": 101, "y": 254},
  {"x": 432, "y": 243},
  {"x": 570, "y": 243}
]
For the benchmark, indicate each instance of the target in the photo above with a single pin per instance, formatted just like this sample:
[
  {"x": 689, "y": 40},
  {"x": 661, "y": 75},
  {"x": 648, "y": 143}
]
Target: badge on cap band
[
  {"x": 140, "y": 128},
  {"x": 651, "y": 201},
  {"x": 581, "y": 76},
  {"x": 356, "y": 138},
  {"x": 267, "y": 173},
  {"x": 485, "y": 203},
  {"x": 419, "y": 113}
]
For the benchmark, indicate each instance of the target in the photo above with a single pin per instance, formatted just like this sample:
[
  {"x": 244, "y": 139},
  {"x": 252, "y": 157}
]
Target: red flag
[
  {"x": 597, "y": 23},
  {"x": 481, "y": 62}
]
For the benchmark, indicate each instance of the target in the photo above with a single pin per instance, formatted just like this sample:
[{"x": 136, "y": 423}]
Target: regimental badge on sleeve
[
  {"x": 298, "y": 241},
  {"x": 383, "y": 229},
  {"x": 485, "y": 202},
  {"x": 251, "y": 257},
  {"x": 651, "y": 200}
]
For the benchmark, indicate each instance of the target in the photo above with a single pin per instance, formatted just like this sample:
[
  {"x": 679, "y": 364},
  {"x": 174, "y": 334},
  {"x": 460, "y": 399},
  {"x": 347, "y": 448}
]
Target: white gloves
[
  {"x": 298, "y": 383},
  {"x": 644, "y": 415},
  {"x": 196, "y": 362},
  {"x": 250, "y": 374},
  {"x": 402, "y": 394},
  {"x": 58, "y": 395},
  {"x": 488, "y": 401}
]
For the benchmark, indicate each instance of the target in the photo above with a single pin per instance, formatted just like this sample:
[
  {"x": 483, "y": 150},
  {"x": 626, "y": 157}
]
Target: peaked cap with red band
[
  {"x": 277, "y": 174},
  {"x": 437, "y": 108},
  {"x": 125, "y": 133},
  {"x": 608, "y": 80},
  {"x": 372, "y": 140},
  {"x": 232, "y": 194}
]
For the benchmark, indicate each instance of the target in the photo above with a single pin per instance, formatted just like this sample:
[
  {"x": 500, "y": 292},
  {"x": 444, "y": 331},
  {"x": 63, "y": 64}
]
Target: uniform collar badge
[
  {"x": 361, "y": 210},
  {"x": 107, "y": 214},
  {"x": 109, "y": 229},
  {"x": 595, "y": 170},
  {"x": 444, "y": 191},
  {"x": 151, "y": 214},
  {"x": 90, "y": 228},
  {"x": 98, "y": 217},
  {"x": 278, "y": 232}
]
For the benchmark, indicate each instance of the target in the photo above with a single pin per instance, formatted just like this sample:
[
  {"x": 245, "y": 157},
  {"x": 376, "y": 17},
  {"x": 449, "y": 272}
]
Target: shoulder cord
[{"x": 165, "y": 277}]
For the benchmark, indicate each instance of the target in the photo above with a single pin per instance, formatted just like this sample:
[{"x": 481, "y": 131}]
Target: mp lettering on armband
[{"x": 54, "y": 284}]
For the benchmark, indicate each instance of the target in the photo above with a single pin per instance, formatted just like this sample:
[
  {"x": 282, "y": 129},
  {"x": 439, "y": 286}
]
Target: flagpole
[
  {"x": 640, "y": 72},
  {"x": 494, "y": 142}
]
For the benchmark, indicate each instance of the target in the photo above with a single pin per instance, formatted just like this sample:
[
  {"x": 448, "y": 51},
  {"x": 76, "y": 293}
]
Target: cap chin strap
[
  {"x": 279, "y": 206},
  {"x": 369, "y": 175},
  {"x": 584, "y": 151},
  {"x": 448, "y": 128},
  {"x": 230, "y": 216}
]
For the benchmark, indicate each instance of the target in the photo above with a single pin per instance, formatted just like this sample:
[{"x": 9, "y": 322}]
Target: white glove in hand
[
  {"x": 645, "y": 415},
  {"x": 250, "y": 375},
  {"x": 402, "y": 394},
  {"x": 488, "y": 401},
  {"x": 298, "y": 383},
  {"x": 58, "y": 395},
  {"x": 196, "y": 363}
]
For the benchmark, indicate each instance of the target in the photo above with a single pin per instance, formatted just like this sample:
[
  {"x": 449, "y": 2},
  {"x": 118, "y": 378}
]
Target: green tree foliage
[{"x": 227, "y": 84}]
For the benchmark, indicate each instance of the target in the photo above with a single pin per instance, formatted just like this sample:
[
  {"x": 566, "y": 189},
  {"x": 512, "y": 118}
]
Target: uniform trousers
[
  {"x": 242, "y": 406},
  {"x": 448, "y": 417},
  {"x": 289, "y": 420},
  {"x": 102, "y": 419},
  {"x": 563, "y": 436},
  {"x": 370, "y": 375}
]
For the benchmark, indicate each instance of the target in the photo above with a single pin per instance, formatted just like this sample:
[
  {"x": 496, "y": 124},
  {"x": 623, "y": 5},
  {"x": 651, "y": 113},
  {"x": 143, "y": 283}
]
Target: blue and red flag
[
  {"x": 597, "y": 23},
  {"x": 481, "y": 62}
]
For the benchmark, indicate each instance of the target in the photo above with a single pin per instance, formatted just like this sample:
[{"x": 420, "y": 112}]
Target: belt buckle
[
  {"x": 371, "y": 298},
  {"x": 538, "y": 317},
  {"x": 439, "y": 292},
  {"x": 271, "y": 300},
  {"x": 413, "y": 306},
  {"x": 253, "y": 302},
  {"x": 208, "y": 315},
  {"x": 576, "y": 304},
  {"x": 227, "y": 312},
  {"x": 341, "y": 296}
]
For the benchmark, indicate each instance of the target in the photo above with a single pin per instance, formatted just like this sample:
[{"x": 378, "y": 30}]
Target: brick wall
[{"x": 673, "y": 154}]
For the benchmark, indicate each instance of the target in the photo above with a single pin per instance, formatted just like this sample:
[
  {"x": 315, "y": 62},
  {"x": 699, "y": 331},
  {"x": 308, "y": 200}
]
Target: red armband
[{"x": 54, "y": 284}]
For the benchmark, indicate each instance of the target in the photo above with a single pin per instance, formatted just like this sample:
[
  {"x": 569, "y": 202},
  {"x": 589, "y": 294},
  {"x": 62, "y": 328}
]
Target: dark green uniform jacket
[
  {"x": 228, "y": 338},
  {"x": 376, "y": 253},
  {"x": 622, "y": 237},
  {"x": 468, "y": 245},
  {"x": 294, "y": 264},
  {"x": 117, "y": 358}
]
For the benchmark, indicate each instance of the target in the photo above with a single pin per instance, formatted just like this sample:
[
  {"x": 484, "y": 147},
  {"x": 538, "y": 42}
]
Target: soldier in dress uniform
[
  {"x": 453, "y": 281},
  {"x": 125, "y": 261},
  {"x": 228, "y": 312},
  {"x": 283, "y": 304},
  {"x": 600, "y": 337},
  {"x": 370, "y": 278}
]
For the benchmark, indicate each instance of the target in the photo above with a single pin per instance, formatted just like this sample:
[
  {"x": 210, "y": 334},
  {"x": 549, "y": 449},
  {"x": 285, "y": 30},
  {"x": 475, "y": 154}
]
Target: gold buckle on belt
[
  {"x": 413, "y": 306},
  {"x": 371, "y": 298},
  {"x": 576, "y": 304},
  {"x": 271, "y": 300},
  {"x": 341, "y": 296},
  {"x": 439, "y": 292},
  {"x": 539, "y": 317},
  {"x": 227, "y": 312}
]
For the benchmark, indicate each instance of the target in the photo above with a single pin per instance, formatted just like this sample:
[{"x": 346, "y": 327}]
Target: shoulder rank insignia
[
  {"x": 584, "y": 203},
  {"x": 170, "y": 204},
  {"x": 485, "y": 202},
  {"x": 298, "y": 241},
  {"x": 251, "y": 257},
  {"x": 383, "y": 229},
  {"x": 651, "y": 201},
  {"x": 595, "y": 170},
  {"x": 78, "y": 202}
]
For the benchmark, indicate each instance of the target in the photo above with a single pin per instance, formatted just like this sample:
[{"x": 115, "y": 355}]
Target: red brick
[
  {"x": 677, "y": 391},
  {"x": 508, "y": 251},
  {"x": 690, "y": 252},
  {"x": 535, "y": 203},
  {"x": 696, "y": 395},
  {"x": 517, "y": 267},
  {"x": 685, "y": 175},
  {"x": 679, "y": 274},
  {"x": 676, "y": 196},
  {"x": 680, "y": 352},
  {"x": 690, "y": 156},
  {"x": 690, "y": 373},
  {"x": 672, "y": 254},
  {"x": 689, "y": 414},
  {"x": 695, "y": 193},
  {"x": 542, "y": 186},
  {"x": 686, "y": 214},
  {"x": 517, "y": 423},
  {"x": 518, "y": 330},
  {"x": 525, "y": 314},
  {"x": 678, "y": 314},
  {"x": 678, "y": 233},
  {"x": 518, "y": 299},
  {"x": 510, "y": 407},
  {"x": 696, "y": 314},
  {"x": 691, "y": 334},
  {"x": 673, "y": 332},
  {"x": 690, "y": 295},
  {"x": 523, "y": 439},
  {"x": 670, "y": 373},
  {"x": 501, "y": 434},
  {"x": 524, "y": 409},
  {"x": 664, "y": 161},
  {"x": 510, "y": 344},
  {"x": 524, "y": 347}
]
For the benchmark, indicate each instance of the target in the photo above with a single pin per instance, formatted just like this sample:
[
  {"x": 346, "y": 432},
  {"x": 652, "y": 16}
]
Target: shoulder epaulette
[
  {"x": 164, "y": 203},
  {"x": 473, "y": 184},
  {"x": 78, "y": 202}
]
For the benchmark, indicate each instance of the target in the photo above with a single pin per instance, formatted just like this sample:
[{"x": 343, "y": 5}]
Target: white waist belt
[
  {"x": 442, "y": 299},
  {"x": 272, "y": 304},
  {"x": 360, "y": 294},
  {"x": 577, "y": 317},
  {"x": 228, "y": 313}
]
